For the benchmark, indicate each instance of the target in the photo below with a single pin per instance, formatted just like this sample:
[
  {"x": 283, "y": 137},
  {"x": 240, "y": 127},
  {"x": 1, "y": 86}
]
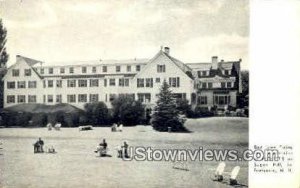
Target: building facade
[{"x": 211, "y": 84}]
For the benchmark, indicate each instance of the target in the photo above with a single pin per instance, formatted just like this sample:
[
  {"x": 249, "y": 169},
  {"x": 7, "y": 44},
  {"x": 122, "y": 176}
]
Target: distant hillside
[{"x": 39, "y": 108}]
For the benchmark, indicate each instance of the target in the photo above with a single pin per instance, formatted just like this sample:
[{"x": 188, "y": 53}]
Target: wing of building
[{"x": 216, "y": 83}]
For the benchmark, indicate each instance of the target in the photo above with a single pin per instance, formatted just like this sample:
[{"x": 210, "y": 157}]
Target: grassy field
[{"x": 76, "y": 165}]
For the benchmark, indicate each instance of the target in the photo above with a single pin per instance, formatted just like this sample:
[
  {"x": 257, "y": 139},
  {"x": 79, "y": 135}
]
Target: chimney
[
  {"x": 18, "y": 57},
  {"x": 214, "y": 61},
  {"x": 167, "y": 50}
]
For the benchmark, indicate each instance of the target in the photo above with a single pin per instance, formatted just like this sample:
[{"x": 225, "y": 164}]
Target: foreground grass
[{"x": 76, "y": 165}]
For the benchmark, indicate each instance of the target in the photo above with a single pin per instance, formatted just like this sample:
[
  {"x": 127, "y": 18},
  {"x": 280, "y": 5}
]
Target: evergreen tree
[
  {"x": 3, "y": 59},
  {"x": 165, "y": 112}
]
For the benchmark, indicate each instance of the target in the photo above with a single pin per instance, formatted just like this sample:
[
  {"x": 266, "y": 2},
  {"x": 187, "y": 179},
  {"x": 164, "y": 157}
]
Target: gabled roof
[
  {"x": 29, "y": 61},
  {"x": 179, "y": 63}
]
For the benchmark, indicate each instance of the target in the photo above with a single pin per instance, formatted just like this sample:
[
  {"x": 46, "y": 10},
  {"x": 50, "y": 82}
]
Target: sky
[{"x": 82, "y": 30}]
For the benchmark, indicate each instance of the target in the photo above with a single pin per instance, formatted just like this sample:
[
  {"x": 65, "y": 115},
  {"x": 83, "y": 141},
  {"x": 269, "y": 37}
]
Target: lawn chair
[
  {"x": 218, "y": 175},
  {"x": 234, "y": 174},
  {"x": 57, "y": 126}
]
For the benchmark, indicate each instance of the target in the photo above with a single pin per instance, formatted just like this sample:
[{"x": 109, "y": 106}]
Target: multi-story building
[{"x": 206, "y": 84}]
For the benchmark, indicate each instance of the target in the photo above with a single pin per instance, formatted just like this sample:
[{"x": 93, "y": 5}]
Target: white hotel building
[{"x": 216, "y": 83}]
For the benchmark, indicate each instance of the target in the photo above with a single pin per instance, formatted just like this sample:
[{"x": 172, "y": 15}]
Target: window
[
  {"x": 71, "y": 83},
  {"x": 226, "y": 72},
  {"x": 11, "y": 85},
  {"x": 50, "y": 98},
  {"x": 140, "y": 82},
  {"x": 82, "y": 83},
  {"x": 71, "y": 70},
  {"x": 71, "y": 98},
  {"x": 21, "y": 99},
  {"x": 118, "y": 68},
  {"x": 94, "y": 82},
  {"x": 112, "y": 97},
  {"x": 149, "y": 82},
  {"x": 161, "y": 68},
  {"x": 210, "y": 85},
  {"x": 58, "y": 99},
  {"x": 83, "y": 69},
  {"x": 59, "y": 83},
  {"x": 31, "y": 84},
  {"x": 11, "y": 99},
  {"x": 15, "y": 72},
  {"x": 82, "y": 98},
  {"x": 44, "y": 83},
  {"x": 94, "y": 69},
  {"x": 21, "y": 84},
  {"x": 62, "y": 70},
  {"x": 126, "y": 82},
  {"x": 174, "y": 82},
  {"x": 105, "y": 82},
  {"x": 229, "y": 84},
  {"x": 50, "y": 70},
  {"x": 203, "y": 73},
  {"x": 203, "y": 100},
  {"x": 144, "y": 97},
  {"x": 157, "y": 80},
  {"x": 222, "y": 99},
  {"x": 112, "y": 82},
  {"x": 204, "y": 85},
  {"x": 42, "y": 71},
  {"x": 104, "y": 69},
  {"x": 222, "y": 84},
  {"x": 31, "y": 98},
  {"x": 128, "y": 68},
  {"x": 138, "y": 68},
  {"x": 94, "y": 97},
  {"x": 123, "y": 82},
  {"x": 27, "y": 72},
  {"x": 50, "y": 83}
]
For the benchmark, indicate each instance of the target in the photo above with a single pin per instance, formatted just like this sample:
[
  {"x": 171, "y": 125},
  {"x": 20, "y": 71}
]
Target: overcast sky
[{"x": 61, "y": 30}]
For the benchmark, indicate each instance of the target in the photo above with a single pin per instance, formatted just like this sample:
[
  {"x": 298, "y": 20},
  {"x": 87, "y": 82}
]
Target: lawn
[{"x": 76, "y": 164}]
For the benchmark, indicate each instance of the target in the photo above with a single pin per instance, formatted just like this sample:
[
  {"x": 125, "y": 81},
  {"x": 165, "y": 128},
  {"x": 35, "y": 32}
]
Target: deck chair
[
  {"x": 218, "y": 175},
  {"x": 233, "y": 175}
]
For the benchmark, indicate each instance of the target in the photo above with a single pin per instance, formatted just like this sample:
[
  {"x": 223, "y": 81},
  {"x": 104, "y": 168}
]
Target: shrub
[
  {"x": 97, "y": 113},
  {"x": 39, "y": 120},
  {"x": 183, "y": 106},
  {"x": 203, "y": 112},
  {"x": 127, "y": 111}
]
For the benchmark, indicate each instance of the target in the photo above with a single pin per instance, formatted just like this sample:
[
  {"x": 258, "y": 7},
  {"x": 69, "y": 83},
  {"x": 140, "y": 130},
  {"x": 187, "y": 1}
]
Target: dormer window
[
  {"x": 94, "y": 69},
  {"x": 138, "y": 68},
  {"x": 204, "y": 73},
  {"x": 229, "y": 85},
  {"x": 204, "y": 85},
  {"x": 62, "y": 70},
  {"x": 71, "y": 70},
  {"x": 128, "y": 68},
  {"x": 83, "y": 69},
  {"x": 42, "y": 70},
  {"x": 226, "y": 72},
  {"x": 104, "y": 69},
  {"x": 50, "y": 70},
  {"x": 118, "y": 68}
]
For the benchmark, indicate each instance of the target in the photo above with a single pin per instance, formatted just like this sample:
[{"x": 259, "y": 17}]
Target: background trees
[
  {"x": 165, "y": 113},
  {"x": 3, "y": 59}
]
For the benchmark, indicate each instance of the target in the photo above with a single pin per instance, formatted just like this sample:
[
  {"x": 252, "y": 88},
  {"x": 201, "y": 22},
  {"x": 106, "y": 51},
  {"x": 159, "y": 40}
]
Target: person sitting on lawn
[
  {"x": 102, "y": 148},
  {"x": 123, "y": 151},
  {"x": 38, "y": 146}
]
